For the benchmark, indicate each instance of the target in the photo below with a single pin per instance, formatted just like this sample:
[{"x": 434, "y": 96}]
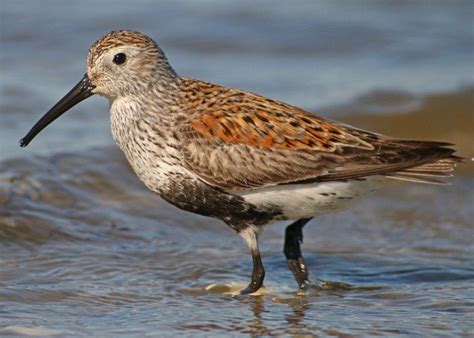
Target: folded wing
[{"x": 238, "y": 141}]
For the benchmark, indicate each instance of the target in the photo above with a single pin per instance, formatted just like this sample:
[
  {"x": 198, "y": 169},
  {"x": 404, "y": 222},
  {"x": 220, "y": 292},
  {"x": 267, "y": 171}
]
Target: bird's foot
[
  {"x": 300, "y": 272},
  {"x": 250, "y": 289}
]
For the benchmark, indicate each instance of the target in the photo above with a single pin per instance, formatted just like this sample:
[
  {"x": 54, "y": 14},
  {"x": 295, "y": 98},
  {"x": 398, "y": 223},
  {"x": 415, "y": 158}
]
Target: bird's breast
[{"x": 150, "y": 149}]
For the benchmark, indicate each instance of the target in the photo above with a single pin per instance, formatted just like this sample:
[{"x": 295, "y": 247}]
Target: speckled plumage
[{"x": 241, "y": 157}]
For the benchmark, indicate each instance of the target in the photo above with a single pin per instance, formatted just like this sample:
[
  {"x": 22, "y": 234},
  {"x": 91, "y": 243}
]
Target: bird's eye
[{"x": 119, "y": 58}]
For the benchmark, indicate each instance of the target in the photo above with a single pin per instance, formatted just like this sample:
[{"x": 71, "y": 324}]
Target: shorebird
[{"x": 237, "y": 156}]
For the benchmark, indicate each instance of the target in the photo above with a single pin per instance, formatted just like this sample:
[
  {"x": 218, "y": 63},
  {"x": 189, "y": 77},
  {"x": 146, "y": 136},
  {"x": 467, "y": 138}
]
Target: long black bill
[{"x": 80, "y": 92}]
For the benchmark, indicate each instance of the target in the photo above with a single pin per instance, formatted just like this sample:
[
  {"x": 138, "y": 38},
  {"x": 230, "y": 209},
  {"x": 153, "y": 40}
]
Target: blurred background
[
  {"x": 84, "y": 248},
  {"x": 371, "y": 56}
]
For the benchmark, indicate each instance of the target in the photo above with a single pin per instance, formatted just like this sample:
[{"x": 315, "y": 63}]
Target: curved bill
[{"x": 80, "y": 92}]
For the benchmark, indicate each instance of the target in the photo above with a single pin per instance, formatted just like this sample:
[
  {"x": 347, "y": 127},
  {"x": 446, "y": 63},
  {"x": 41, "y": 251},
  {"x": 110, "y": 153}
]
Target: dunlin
[{"x": 236, "y": 156}]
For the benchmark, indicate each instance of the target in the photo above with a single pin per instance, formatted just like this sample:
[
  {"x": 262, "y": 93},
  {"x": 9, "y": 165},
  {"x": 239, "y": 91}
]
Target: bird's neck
[
  {"x": 143, "y": 126},
  {"x": 156, "y": 101}
]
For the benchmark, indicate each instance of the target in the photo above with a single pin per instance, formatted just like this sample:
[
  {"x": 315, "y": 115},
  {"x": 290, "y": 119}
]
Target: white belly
[{"x": 308, "y": 200}]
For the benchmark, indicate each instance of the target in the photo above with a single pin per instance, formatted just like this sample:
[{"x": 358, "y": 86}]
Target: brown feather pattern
[{"x": 237, "y": 140}]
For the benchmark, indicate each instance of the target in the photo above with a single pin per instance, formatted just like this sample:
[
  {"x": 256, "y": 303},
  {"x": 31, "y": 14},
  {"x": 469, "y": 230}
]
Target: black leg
[
  {"x": 250, "y": 236},
  {"x": 292, "y": 251},
  {"x": 258, "y": 274}
]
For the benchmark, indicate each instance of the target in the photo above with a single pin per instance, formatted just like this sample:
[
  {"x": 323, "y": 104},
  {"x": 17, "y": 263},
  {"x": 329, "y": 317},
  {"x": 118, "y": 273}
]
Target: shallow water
[{"x": 86, "y": 250}]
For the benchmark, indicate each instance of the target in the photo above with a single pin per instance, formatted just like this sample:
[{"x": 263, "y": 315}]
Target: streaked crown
[{"x": 126, "y": 62}]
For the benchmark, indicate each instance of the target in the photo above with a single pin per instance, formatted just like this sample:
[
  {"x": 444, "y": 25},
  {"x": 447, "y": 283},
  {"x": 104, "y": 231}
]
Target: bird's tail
[{"x": 439, "y": 165}]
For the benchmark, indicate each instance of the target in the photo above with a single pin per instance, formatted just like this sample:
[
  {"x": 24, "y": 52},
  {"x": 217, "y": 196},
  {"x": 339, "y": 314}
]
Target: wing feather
[{"x": 237, "y": 140}]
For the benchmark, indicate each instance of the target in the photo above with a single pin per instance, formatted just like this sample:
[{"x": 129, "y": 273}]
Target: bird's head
[{"x": 119, "y": 64}]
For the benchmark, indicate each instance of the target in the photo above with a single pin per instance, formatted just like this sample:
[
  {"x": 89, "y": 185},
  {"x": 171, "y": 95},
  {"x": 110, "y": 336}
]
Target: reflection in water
[
  {"x": 256, "y": 326},
  {"x": 295, "y": 320},
  {"x": 262, "y": 307}
]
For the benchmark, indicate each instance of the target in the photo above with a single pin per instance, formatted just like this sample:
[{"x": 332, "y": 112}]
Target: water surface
[{"x": 86, "y": 250}]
